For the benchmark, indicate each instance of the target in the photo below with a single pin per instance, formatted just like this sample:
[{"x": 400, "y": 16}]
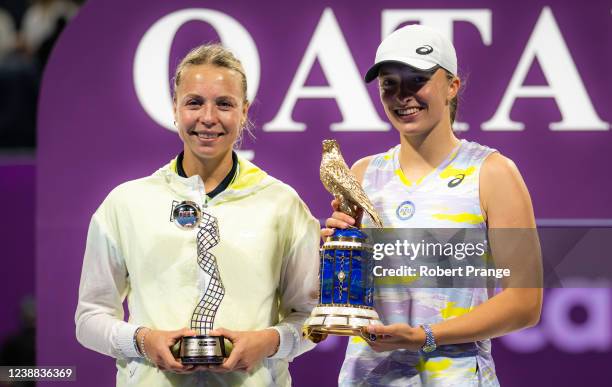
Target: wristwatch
[{"x": 430, "y": 339}]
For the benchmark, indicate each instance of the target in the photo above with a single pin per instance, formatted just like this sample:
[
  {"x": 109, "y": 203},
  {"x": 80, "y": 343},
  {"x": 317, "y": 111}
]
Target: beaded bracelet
[
  {"x": 135, "y": 341},
  {"x": 142, "y": 345}
]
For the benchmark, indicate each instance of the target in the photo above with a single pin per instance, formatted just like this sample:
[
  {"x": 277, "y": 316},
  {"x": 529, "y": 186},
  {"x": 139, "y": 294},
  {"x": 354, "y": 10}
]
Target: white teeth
[
  {"x": 409, "y": 111},
  {"x": 208, "y": 135}
]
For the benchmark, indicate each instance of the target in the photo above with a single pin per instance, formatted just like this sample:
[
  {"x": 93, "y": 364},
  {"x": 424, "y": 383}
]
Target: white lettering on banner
[
  {"x": 345, "y": 84},
  {"x": 564, "y": 84},
  {"x": 151, "y": 59},
  {"x": 442, "y": 20},
  {"x": 557, "y": 327}
]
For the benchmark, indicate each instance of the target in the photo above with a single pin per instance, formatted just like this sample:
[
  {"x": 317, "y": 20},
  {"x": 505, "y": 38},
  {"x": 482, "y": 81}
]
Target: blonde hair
[
  {"x": 212, "y": 54},
  {"x": 216, "y": 55}
]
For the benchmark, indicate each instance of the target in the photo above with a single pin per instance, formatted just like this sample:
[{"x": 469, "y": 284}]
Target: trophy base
[
  {"x": 340, "y": 320},
  {"x": 202, "y": 350}
]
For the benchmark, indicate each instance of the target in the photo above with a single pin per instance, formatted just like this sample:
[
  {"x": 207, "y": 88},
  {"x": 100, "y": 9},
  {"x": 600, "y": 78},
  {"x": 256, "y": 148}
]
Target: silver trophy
[{"x": 203, "y": 348}]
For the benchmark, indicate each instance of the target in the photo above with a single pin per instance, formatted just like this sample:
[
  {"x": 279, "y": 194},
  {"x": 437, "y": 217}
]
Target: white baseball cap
[{"x": 417, "y": 46}]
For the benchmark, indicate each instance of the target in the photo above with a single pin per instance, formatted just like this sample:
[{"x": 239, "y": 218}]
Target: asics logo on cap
[{"x": 424, "y": 50}]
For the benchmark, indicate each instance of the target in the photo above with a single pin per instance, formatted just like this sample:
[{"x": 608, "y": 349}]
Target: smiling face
[
  {"x": 415, "y": 101},
  {"x": 209, "y": 109}
]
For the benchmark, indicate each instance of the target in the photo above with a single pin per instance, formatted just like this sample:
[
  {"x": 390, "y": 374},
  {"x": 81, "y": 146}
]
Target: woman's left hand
[
  {"x": 396, "y": 336},
  {"x": 250, "y": 348}
]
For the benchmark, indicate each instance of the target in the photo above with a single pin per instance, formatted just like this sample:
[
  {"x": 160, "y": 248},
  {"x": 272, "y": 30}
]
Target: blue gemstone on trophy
[
  {"x": 186, "y": 214},
  {"x": 187, "y": 220},
  {"x": 345, "y": 272},
  {"x": 341, "y": 276},
  {"x": 356, "y": 290},
  {"x": 327, "y": 273}
]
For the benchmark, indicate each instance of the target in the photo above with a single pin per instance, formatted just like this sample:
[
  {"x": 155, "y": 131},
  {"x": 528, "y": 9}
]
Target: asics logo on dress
[{"x": 456, "y": 181}]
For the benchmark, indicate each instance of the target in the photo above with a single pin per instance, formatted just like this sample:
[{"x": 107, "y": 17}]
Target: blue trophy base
[{"x": 346, "y": 294}]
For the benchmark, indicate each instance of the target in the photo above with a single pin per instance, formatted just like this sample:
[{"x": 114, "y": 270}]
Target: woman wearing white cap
[{"x": 435, "y": 336}]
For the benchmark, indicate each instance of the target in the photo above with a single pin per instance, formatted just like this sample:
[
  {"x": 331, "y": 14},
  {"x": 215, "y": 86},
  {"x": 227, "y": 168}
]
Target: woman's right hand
[
  {"x": 157, "y": 346},
  {"x": 338, "y": 219}
]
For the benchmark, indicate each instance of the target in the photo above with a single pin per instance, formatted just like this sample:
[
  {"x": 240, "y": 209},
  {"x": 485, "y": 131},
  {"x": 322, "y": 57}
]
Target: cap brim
[{"x": 372, "y": 73}]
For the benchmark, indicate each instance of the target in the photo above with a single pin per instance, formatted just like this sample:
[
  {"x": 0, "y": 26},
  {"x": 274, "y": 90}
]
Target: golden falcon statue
[{"x": 340, "y": 182}]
